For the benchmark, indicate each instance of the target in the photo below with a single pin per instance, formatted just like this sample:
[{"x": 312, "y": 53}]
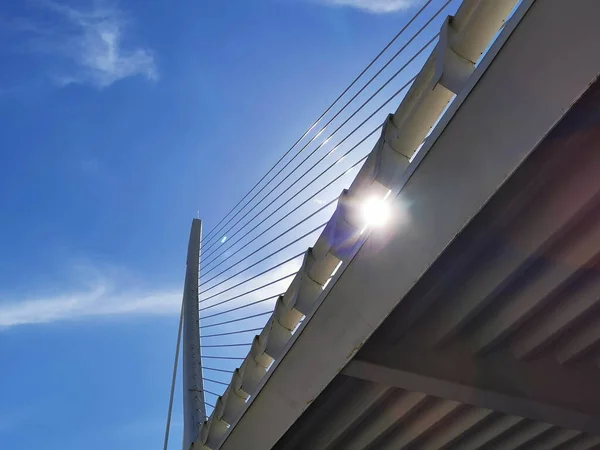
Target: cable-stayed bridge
[{"x": 420, "y": 269}]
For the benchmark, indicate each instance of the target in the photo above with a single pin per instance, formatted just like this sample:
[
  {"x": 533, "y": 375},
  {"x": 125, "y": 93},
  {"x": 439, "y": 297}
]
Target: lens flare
[{"x": 375, "y": 212}]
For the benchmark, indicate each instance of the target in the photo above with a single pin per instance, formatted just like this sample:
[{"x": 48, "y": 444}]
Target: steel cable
[
  {"x": 222, "y": 357},
  {"x": 173, "y": 380},
  {"x": 230, "y": 333},
  {"x": 217, "y": 370},
  {"x": 274, "y": 239},
  {"x": 226, "y": 345},
  {"x": 299, "y": 192},
  {"x": 254, "y": 277},
  {"x": 239, "y": 319},
  {"x": 247, "y": 305},
  {"x": 299, "y": 254},
  {"x": 341, "y": 142},
  {"x": 334, "y": 132},
  {"x": 245, "y": 293},
  {"x": 212, "y": 393},
  {"x": 259, "y": 261},
  {"x": 345, "y": 154},
  {"x": 418, "y": 13},
  {"x": 215, "y": 381}
]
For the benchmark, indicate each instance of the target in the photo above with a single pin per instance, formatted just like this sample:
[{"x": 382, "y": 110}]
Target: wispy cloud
[
  {"x": 89, "y": 46},
  {"x": 102, "y": 291},
  {"x": 107, "y": 295},
  {"x": 375, "y": 6},
  {"x": 99, "y": 300}
]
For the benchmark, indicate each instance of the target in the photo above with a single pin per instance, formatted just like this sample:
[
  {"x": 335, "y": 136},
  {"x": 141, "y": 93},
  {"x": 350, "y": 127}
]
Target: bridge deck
[
  {"x": 499, "y": 342},
  {"x": 475, "y": 318}
]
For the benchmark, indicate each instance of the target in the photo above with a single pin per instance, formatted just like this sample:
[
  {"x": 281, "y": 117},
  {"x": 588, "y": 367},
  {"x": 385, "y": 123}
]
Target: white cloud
[
  {"x": 375, "y": 6},
  {"x": 99, "y": 300},
  {"x": 104, "y": 291},
  {"x": 110, "y": 294},
  {"x": 93, "y": 42}
]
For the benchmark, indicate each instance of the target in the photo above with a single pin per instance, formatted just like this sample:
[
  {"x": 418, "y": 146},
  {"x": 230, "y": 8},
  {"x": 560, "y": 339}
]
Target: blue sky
[{"x": 120, "y": 121}]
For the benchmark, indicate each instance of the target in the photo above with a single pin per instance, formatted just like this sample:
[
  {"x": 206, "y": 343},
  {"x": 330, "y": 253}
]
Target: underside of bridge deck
[{"x": 498, "y": 344}]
